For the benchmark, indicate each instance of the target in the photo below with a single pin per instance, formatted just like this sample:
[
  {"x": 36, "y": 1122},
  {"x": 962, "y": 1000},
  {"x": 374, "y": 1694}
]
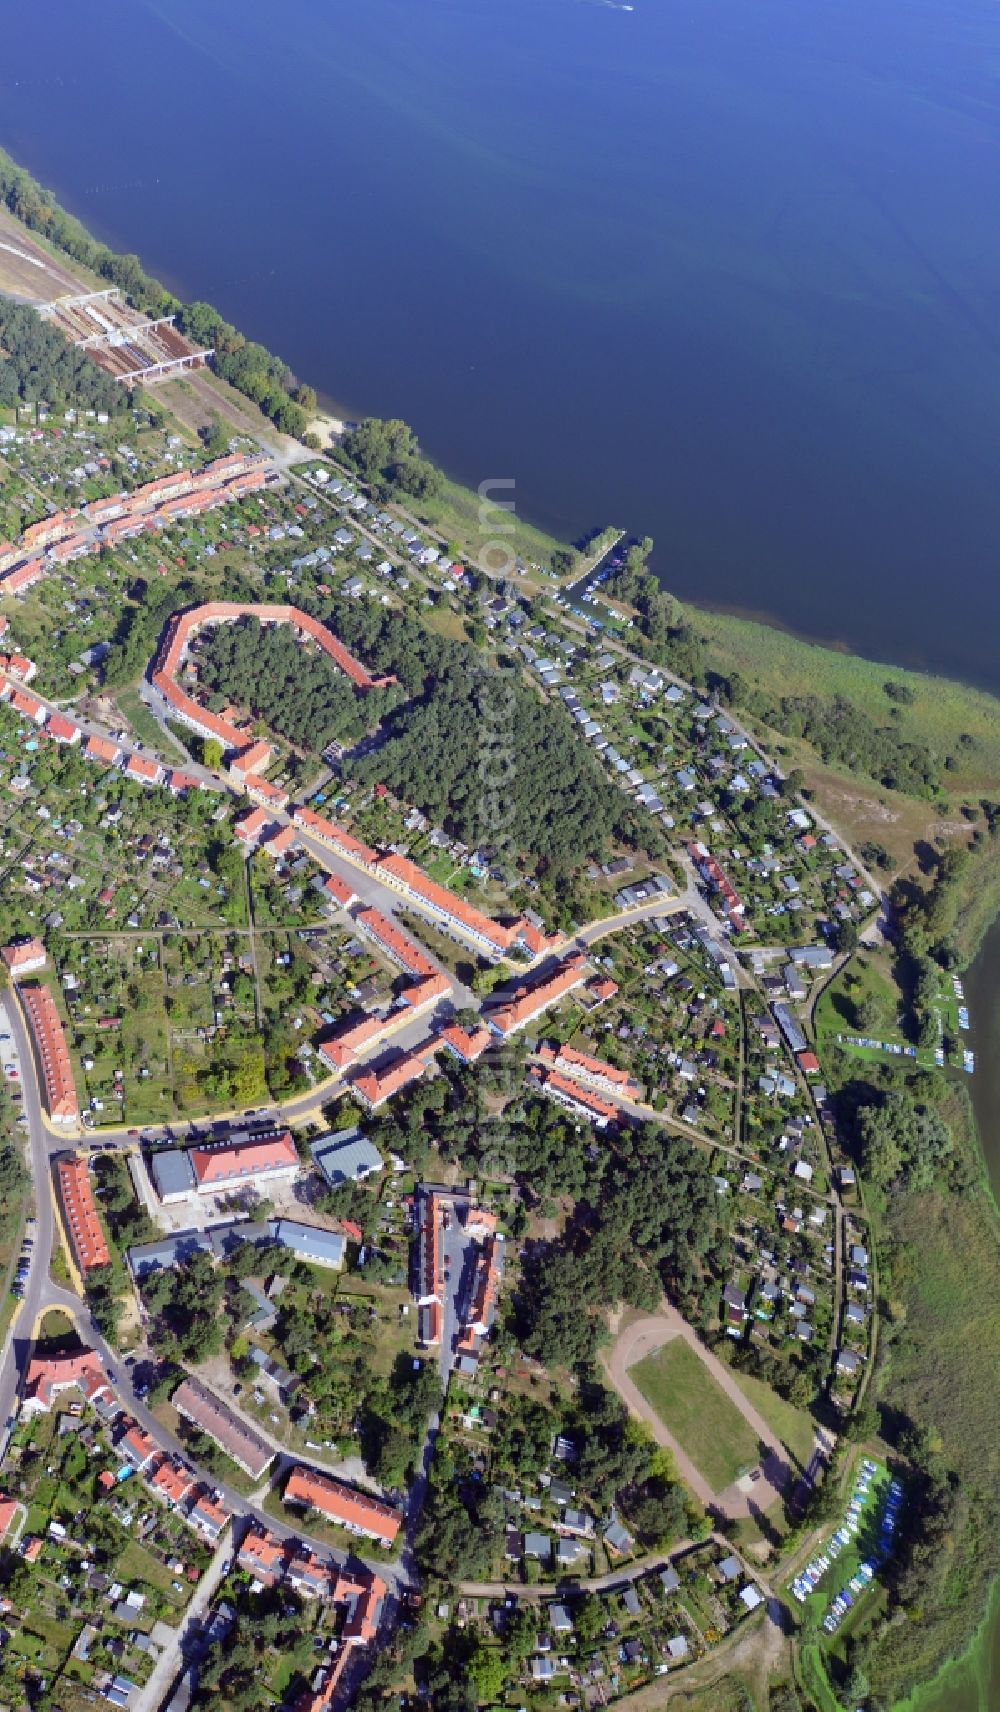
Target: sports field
[{"x": 707, "y": 1426}]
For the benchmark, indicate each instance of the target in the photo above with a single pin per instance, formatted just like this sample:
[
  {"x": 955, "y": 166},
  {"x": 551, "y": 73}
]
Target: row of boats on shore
[{"x": 968, "y": 1056}]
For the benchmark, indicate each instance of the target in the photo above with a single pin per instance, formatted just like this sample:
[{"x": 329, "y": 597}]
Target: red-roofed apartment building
[
  {"x": 359, "y": 1032},
  {"x": 23, "y": 576},
  {"x": 262, "y": 1556},
  {"x": 373, "y": 1087},
  {"x": 530, "y": 1002},
  {"x": 253, "y": 759},
  {"x": 52, "y": 1054},
  {"x": 83, "y": 1226},
  {"x": 28, "y": 706},
  {"x": 209, "y": 1515},
  {"x": 356, "y": 1511},
  {"x": 251, "y": 827},
  {"x": 586, "y": 1102},
  {"x": 8, "y": 1511},
  {"x": 485, "y": 1286},
  {"x": 171, "y": 1482},
  {"x": 430, "y": 1265},
  {"x": 137, "y": 1447},
  {"x": 62, "y": 730},
  {"x": 183, "y": 626},
  {"x": 446, "y": 906},
  {"x": 143, "y": 771},
  {"x": 397, "y": 945},
  {"x": 594, "y": 1071},
  {"x": 265, "y": 793},
  {"x": 342, "y": 894},
  {"x": 463, "y": 1043},
  {"x": 101, "y": 749}
]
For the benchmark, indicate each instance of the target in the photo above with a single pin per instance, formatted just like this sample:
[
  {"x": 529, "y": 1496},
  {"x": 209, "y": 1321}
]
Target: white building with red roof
[{"x": 244, "y": 1161}]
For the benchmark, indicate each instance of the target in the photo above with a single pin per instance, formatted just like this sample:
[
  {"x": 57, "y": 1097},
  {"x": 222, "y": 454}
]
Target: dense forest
[
  {"x": 37, "y": 365},
  {"x": 845, "y": 736},
  {"x": 478, "y": 752},
  {"x": 653, "y": 1228},
  {"x": 295, "y": 689}
]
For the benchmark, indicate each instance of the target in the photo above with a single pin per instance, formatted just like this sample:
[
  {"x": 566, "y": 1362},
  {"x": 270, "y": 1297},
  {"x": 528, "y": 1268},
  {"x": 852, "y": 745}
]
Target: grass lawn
[
  {"x": 143, "y": 724},
  {"x": 138, "y": 1564},
  {"x": 794, "y": 1427},
  {"x": 691, "y": 1405},
  {"x": 472, "y": 524},
  {"x": 57, "y": 1329},
  {"x": 865, "y": 985}
]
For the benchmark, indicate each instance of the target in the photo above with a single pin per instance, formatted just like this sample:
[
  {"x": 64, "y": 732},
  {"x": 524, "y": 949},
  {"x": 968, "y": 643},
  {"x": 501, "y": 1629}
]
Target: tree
[
  {"x": 215, "y": 439},
  {"x": 387, "y": 455},
  {"x": 590, "y": 1618},
  {"x": 847, "y": 937},
  {"x": 486, "y": 1672}
]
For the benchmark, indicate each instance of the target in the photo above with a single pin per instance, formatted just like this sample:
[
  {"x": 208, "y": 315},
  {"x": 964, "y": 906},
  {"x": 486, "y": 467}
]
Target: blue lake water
[{"x": 727, "y": 273}]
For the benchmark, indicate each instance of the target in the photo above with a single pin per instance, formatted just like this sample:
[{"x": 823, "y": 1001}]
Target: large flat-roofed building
[
  {"x": 346, "y": 1157},
  {"x": 168, "y": 1251},
  {"x": 356, "y": 1511},
  {"x": 204, "y": 1410},
  {"x": 310, "y": 1242},
  {"x": 172, "y": 1174},
  {"x": 52, "y": 1054}
]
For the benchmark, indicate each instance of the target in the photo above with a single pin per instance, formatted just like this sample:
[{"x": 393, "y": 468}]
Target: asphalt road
[{"x": 17, "y": 1350}]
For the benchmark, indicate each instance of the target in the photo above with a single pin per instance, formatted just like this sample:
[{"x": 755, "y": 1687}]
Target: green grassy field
[
  {"x": 678, "y": 1385},
  {"x": 794, "y": 1427},
  {"x": 138, "y": 1564},
  {"x": 146, "y": 729}
]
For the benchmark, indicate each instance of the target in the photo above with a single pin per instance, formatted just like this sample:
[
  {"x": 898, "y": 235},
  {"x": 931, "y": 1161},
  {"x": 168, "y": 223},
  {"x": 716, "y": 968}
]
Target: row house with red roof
[
  {"x": 577, "y": 1098},
  {"x": 52, "y": 1054},
  {"x": 595, "y": 1072},
  {"x": 356, "y": 1511},
  {"x": 529, "y": 1002},
  {"x": 374, "y": 1087},
  {"x": 80, "y": 1215}
]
